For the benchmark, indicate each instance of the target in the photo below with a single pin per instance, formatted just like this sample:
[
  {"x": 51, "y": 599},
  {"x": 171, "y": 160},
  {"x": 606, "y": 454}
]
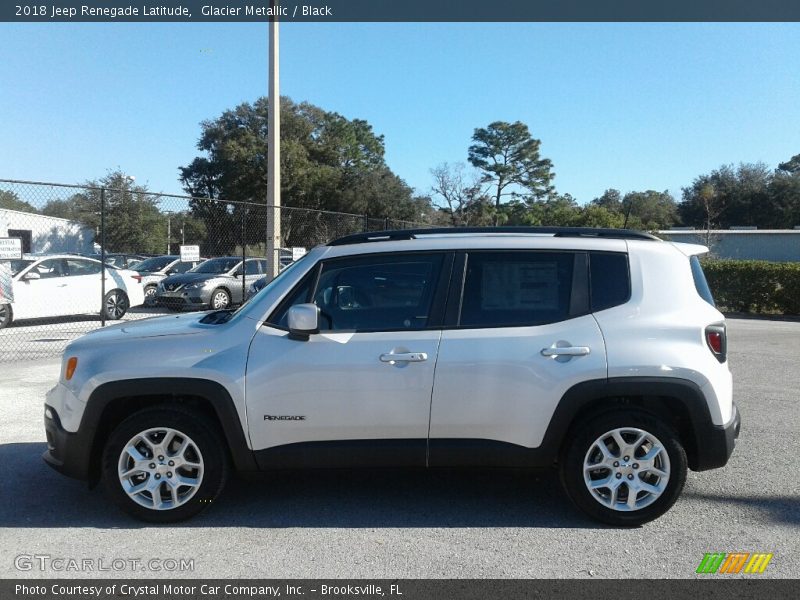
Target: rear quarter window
[{"x": 610, "y": 281}]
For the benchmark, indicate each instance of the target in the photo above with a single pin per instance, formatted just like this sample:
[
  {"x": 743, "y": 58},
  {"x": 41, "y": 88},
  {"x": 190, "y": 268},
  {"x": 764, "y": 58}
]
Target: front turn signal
[{"x": 72, "y": 363}]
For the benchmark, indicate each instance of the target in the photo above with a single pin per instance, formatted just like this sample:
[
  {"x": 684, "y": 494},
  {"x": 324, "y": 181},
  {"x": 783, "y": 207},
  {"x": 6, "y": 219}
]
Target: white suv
[{"x": 596, "y": 351}]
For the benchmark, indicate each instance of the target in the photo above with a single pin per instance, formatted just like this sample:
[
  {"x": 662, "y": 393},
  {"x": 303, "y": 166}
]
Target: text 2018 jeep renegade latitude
[{"x": 596, "y": 351}]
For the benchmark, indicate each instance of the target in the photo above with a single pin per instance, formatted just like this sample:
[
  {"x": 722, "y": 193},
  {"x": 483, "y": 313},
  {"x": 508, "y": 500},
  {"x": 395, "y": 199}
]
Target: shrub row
[{"x": 754, "y": 285}]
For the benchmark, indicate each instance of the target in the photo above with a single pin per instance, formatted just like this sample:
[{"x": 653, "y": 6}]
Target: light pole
[{"x": 273, "y": 151}]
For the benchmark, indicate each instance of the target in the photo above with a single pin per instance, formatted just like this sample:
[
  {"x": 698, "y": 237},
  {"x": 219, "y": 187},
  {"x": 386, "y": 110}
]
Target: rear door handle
[
  {"x": 566, "y": 351},
  {"x": 404, "y": 357}
]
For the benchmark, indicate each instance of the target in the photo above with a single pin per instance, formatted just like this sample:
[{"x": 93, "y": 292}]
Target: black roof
[{"x": 410, "y": 234}]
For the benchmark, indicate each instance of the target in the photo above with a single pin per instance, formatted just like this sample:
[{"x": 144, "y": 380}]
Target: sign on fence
[
  {"x": 190, "y": 253},
  {"x": 10, "y": 248},
  {"x": 298, "y": 252}
]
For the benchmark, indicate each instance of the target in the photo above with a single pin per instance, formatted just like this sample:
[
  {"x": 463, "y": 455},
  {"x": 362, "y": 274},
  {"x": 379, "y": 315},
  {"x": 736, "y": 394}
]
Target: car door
[
  {"x": 42, "y": 296},
  {"x": 358, "y": 392},
  {"x": 519, "y": 335},
  {"x": 84, "y": 285}
]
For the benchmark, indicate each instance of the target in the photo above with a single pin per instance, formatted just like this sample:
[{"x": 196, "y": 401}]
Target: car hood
[
  {"x": 187, "y": 278},
  {"x": 186, "y": 324}
]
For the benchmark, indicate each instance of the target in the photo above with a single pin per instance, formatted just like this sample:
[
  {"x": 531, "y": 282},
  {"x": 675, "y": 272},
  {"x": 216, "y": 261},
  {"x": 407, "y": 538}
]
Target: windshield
[
  {"x": 151, "y": 265},
  {"x": 216, "y": 265},
  {"x": 18, "y": 265}
]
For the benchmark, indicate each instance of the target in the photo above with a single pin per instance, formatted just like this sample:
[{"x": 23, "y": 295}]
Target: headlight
[{"x": 194, "y": 286}]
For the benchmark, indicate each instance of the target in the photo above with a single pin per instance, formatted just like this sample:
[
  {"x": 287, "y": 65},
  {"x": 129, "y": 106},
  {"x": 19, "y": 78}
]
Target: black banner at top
[{"x": 399, "y": 10}]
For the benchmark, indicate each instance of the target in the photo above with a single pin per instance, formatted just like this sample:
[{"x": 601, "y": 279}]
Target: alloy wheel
[
  {"x": 626, "y": 469},
  {"x": 116, "y": 305},
  {"x": 160, "y": 468}
]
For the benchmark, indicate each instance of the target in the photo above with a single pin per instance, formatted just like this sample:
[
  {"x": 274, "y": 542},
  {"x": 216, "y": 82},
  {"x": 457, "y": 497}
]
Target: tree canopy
[
  {"x": 509, "y": 160},
  {"x": 328, "y": 162}
]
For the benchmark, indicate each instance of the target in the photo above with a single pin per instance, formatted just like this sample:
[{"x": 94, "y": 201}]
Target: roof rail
[{"x": 410, "y": 234}]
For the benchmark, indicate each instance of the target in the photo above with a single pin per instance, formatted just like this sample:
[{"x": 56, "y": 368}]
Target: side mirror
[
  {"x": 31, "y": 276},
  {"x": 303, "y": 320}
]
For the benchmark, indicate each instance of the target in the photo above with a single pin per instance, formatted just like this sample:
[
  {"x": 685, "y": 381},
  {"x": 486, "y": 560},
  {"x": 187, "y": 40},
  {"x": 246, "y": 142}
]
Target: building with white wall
[
  {"x": 777, "y": 245},
  {"x": 42, "y": 234}
]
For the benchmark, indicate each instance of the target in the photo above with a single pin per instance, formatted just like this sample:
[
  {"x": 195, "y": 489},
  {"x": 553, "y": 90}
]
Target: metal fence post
[
  {"x": 244, "y": 252},
  {"x": 103, "y": 257},
  {"x": 366, "y": 222}
]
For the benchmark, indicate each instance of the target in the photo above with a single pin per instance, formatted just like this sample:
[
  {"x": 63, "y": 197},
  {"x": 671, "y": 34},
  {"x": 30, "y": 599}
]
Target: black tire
[
  {"x": 115, "y": 305},
  {"x": 202, "y": 433},
  {"x": 582, "y": 439},
  {"x": 6, "y": 315},
  {"x": 150, "y": 295},
  {"x": 220, "y": 299}
]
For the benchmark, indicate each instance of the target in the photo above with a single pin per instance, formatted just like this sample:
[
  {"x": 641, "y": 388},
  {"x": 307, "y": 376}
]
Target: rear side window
[
  {"x": 700, "y": 283},
  {"x": 516, "y": 289},
  {"x": 610, "y": 283}
]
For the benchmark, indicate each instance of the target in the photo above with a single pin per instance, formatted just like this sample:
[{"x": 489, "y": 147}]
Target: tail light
[
  {"x": 138, "y": 278},
  {"x": 717, "y": 340}
]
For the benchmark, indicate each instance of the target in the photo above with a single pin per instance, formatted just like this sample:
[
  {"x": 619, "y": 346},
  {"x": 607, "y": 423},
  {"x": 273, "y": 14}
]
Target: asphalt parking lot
[
  {"x": 421, "y": 525},
  {"x": 41, "y": 338}
]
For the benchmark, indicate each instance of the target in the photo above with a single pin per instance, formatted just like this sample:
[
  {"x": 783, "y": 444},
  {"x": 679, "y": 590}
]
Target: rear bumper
[
  {"x": 716, "y": 443},
  {"x": 66, "y": 452}
]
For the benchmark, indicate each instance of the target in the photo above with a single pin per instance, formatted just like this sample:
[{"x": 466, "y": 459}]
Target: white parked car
[{"x": 61, "y": 285}]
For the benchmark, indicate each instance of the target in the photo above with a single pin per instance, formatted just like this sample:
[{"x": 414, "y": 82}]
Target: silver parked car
[
  {"x": 154, "y": 269},
  {"x": 215, "y": 283}
]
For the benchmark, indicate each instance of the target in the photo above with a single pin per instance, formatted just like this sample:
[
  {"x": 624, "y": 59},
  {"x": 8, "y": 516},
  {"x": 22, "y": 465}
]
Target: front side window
[
  {"x": 53, "y": 267},
  {"x": 252, "y": 267},
  {"x": 516, "y": 289},
  {"x": 377, "y": 293}
]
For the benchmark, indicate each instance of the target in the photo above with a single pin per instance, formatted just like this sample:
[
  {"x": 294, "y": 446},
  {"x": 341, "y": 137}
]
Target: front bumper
[
  {"x": 196, "y": 298},
  {"x": 715, "y": 445},
  {"x": 68, "y": 453}
]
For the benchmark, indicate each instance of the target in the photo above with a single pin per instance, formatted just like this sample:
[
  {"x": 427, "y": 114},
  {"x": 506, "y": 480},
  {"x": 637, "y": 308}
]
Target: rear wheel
[
  {"x": 624, "y": 467},
  {"x": 6, "y": 315},
  {"x": 115, "y": 304},
  {"x": 164, "y": 464}
]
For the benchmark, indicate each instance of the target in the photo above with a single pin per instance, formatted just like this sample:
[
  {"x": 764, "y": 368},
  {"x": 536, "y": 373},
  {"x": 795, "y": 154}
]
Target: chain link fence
[{"x": 156, "y": 247}]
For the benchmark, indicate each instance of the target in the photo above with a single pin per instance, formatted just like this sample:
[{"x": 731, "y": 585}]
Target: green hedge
[{"x": 754, "y": 285}]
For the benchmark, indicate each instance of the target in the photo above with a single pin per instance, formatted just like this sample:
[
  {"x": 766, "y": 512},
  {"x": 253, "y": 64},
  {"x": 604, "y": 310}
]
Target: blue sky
[{"x": 631, "y": 106}]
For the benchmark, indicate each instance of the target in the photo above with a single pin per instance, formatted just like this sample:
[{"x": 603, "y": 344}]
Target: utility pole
[{"x": 273, "y": 151}]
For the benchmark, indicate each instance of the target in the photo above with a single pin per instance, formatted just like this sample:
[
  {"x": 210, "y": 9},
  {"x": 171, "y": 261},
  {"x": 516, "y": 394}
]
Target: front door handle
[
  {"x": 566, "y": 351},
  {"x": 404, "y": 357}
]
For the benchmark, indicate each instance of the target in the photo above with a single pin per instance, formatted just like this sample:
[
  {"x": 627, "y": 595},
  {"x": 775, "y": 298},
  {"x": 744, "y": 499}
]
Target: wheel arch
[
  {"x": 679, "y": 402},
  {"x": 112, "y": 402}
]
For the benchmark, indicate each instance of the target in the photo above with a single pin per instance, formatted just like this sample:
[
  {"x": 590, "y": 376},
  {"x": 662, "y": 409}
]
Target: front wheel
[
  {"x": 220, "y": 299},
  {"x": 164, "y": 464},
  {"x": 624, "y": 467},
  {"x": 150, "y": 295},
  {"x": 6, "y": 315},
  {"x": 115, "y": 304}
]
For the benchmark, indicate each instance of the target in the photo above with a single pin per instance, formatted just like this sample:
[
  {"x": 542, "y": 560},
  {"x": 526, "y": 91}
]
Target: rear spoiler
[{"x": 690, "y": 249}]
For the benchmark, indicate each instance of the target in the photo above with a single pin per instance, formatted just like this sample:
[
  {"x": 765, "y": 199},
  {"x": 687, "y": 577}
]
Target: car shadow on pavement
[
  {"x": 777, "y": 509},
  {"x": 37, "y": 496}
]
